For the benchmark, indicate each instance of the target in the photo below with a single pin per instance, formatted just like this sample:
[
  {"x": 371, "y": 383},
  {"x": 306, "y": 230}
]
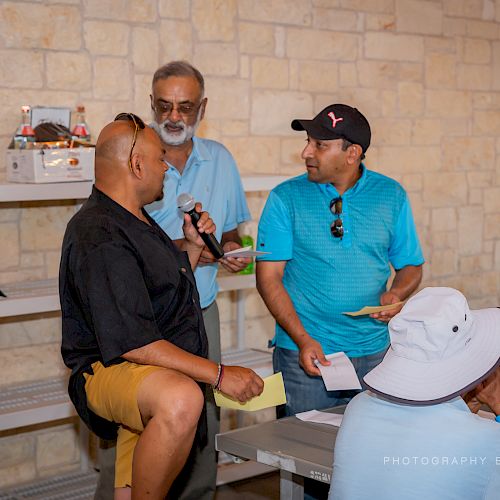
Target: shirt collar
[
  {"x": 200, "y": 152},
  {"x": 457, "y": 402}
]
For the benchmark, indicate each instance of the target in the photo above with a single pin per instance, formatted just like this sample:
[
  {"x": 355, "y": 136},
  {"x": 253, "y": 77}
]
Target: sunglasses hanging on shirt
[{"x": 337, "y": 226}]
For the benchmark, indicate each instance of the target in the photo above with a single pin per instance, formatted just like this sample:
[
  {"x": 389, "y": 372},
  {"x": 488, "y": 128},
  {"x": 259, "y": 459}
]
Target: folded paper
[
  {"x": 272, "y": 395},
  {"x": 373, "y": 309}
]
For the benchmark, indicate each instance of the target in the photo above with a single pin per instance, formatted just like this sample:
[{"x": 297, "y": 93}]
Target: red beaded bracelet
[{"x": 219, "y": 382}]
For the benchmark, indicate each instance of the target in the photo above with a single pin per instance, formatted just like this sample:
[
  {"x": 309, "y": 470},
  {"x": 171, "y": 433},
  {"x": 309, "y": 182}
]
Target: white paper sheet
[
  {"x": 320, "y": 417},
  {"x": 244, "y": 252},
  {"x": 340, "y": 375}
]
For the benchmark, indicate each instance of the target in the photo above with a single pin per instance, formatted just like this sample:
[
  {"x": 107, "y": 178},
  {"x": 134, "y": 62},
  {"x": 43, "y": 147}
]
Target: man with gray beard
[{"x": 207, "y": 170}]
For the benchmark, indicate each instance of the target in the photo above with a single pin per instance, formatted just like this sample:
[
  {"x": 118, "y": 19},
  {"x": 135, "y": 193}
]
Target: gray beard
[{"x": 171, "y": 139}]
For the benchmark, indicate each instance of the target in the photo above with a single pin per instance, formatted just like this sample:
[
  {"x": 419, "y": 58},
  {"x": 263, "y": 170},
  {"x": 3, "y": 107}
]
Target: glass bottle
[
  {"x": 24, "y": 134},
  {"x": 81, "y": 129},
  {"x": 247, "y": 241}
]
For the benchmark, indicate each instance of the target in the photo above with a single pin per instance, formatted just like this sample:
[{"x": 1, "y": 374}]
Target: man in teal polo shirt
[{"x": 332, "y": 235}]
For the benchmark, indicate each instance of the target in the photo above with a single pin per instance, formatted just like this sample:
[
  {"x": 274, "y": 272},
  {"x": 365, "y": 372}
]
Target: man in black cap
[{"x": 333, "y": 235}]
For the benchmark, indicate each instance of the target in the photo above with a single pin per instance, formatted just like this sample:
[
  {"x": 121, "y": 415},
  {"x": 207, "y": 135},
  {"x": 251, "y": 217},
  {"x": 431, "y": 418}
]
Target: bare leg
[
  {"x": 170, "y": 404},
  {"x": 123, "y": 493}
]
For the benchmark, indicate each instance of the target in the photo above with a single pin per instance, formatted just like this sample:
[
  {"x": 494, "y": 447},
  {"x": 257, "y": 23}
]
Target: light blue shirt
[
  {"x": 399, "y": 452},
  {"x": 327, "y": 276},
  {"x": 212, "y": 178}
]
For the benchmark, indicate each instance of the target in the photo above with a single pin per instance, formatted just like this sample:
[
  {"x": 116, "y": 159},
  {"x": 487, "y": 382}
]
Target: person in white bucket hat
[{"x": 412, "y": 435}]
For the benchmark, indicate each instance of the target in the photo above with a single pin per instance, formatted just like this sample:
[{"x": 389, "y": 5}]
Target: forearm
[
  {"x": 231, "y": 236},
  {"x": 166, "y": 355},
  {"x": 192, "y": 250},
  {"x": 406, "y": 281},
  {"x": 281, "y": 307}
]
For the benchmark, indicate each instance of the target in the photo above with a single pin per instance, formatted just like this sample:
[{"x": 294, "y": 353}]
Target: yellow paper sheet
[
  {"x": 272, "y": 395},
  {"x": 373, "y": 309}
]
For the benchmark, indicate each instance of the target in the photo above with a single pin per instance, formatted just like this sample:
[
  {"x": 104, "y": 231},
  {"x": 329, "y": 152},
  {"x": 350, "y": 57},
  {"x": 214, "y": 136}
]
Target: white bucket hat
[{"x": 439, "y": 349}]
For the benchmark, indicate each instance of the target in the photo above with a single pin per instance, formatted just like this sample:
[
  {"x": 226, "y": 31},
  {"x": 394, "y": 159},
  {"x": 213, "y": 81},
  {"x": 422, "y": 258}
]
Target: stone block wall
[{"x": 426, "y": 73}]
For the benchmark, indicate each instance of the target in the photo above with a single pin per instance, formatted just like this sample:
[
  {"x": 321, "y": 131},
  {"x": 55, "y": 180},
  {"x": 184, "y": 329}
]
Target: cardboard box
[
  {"x": 50, "y": 165},
  {"x": 43, "y": 114}
]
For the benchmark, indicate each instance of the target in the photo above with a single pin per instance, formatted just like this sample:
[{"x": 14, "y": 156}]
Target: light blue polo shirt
[
  {"x": 212, "y": 178},
  {"x": 326, "y": 276},
  {"x": 399, "y": 452}
]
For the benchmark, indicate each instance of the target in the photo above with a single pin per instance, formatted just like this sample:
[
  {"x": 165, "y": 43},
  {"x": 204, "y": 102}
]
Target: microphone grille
[{"x": 185, "y": 202}]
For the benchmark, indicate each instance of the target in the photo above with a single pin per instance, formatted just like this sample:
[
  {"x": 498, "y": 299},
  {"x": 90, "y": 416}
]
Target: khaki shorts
[{"x": 112, "y": 394}]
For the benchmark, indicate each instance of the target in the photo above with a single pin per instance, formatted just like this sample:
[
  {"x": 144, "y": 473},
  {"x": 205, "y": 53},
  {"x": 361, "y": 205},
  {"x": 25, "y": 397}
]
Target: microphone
[{"x": 186, "y": 203}]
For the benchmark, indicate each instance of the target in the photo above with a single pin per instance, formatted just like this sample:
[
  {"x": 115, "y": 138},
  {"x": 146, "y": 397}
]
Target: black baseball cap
[{"x": 338, "y": 121}]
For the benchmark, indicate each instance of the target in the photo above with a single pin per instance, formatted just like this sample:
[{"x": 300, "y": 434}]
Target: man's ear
[
  {"x": 203, "y": 107},
  {"x": 152, "y": 102},
  {"x": 354, "y": 153},
  {"x": 136, "y": 165}
]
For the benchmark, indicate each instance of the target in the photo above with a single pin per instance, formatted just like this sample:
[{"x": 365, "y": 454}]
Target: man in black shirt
[{"x": 133, "y": 333}]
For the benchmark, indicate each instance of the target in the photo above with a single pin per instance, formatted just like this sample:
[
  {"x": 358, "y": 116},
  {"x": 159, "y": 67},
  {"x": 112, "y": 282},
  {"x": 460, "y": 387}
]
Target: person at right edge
[
  {"x": 416, "y": 425},
  {"x": 333, "y": 235}
]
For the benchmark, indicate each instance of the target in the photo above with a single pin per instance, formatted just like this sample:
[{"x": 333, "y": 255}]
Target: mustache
[{"x": 178, "y": 123}]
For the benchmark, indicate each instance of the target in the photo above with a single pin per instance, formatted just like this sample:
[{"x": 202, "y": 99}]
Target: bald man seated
[{"x": 133, "y": 333}]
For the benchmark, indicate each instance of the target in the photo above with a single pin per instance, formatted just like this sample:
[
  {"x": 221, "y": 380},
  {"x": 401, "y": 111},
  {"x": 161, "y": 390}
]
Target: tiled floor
[{"x": 81, "y": 486}]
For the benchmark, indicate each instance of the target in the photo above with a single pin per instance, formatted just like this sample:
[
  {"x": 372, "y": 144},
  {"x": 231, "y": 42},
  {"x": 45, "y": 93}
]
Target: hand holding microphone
[{"x": 186, "y": 203}]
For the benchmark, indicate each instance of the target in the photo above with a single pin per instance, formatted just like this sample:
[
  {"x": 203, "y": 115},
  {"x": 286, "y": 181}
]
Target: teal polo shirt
[
  {"x": 326, "y": 276},
  {"x": 212, "y": 177}
]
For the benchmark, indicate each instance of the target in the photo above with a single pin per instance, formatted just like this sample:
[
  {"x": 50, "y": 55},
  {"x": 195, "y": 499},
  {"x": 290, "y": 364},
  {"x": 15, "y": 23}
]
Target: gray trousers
[{"x": 197, "y": 480}]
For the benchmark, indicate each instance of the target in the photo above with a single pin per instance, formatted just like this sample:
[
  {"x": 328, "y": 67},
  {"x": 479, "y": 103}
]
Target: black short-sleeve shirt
[{"x": 122, "y": 284}]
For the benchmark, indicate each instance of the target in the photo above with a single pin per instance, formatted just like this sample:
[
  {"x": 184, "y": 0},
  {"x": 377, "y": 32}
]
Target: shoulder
[
  {"x": 362, "y": 409},
  {"x": 369, "y": 405},
  {"x": 487, "y": 426},
  {"x": 381, "y": 181},
  {"x": 384, "y": 190},
  {"x": 214, "y": 148},
  {"x": 293, "y": 185},
  {"x": 93, "y": 226},
  {"x": 217, "y": 156},
  {"x": 294, "y": 192},
  {"x": 361, "y": 400}
]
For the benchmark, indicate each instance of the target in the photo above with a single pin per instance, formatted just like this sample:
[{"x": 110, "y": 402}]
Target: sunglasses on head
[
  {"x": 337, "y": 227},
  {"x": 138, "y": 124}
]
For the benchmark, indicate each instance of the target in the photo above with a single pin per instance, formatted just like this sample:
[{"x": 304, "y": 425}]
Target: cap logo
[{"x": 331, "y": 114}]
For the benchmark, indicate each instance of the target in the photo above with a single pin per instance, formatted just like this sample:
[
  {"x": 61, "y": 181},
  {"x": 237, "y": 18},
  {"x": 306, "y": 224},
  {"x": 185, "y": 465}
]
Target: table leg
[{"x": 291, "y": 486}]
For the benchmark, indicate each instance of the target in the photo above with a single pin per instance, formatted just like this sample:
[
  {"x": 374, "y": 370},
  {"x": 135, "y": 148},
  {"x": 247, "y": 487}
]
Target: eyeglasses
[
  {"x": 138, "y": 124},
  {"x": 184, "y": 108},
  {"x": 337, "y": 227}
]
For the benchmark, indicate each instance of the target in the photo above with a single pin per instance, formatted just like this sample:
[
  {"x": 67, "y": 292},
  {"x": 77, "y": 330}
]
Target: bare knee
[{"x": 179, "y": 405}]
